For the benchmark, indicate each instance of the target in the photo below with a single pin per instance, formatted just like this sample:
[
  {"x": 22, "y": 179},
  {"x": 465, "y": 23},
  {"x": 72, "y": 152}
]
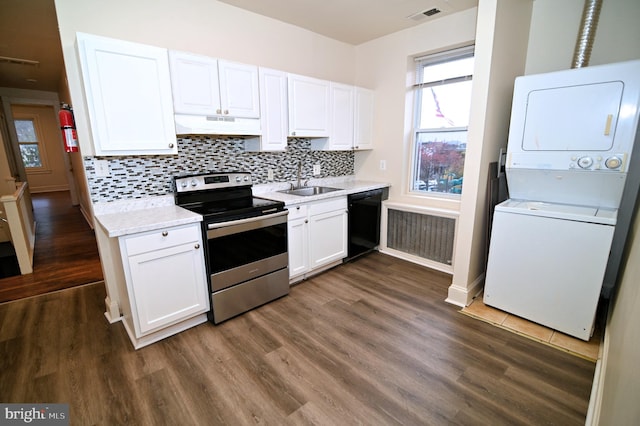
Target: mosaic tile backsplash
[{"x": 144, "y": 176}]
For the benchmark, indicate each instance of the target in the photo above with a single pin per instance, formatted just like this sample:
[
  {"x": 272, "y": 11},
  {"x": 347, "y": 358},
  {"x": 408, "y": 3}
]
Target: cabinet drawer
[
  {"x": 161, "y": 238},
  {"x": 328, "y": 206},
  {"x": 296, "y": 212}
]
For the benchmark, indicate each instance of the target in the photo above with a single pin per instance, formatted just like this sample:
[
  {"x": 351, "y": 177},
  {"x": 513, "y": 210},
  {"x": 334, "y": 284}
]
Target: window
[
  {"x": 443, "y": 100},
  {"x": 30, "y": 149}
]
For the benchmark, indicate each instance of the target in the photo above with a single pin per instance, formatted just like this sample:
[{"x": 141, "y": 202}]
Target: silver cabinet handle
[
  {"x": 165, "y": 233},
  {"x": 218, "y": 111},
  {"x": 197, "y": 246},
  {"x": 171, "y": 145}
]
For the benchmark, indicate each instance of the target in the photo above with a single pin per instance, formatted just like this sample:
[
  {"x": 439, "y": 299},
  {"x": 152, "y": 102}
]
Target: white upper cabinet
[
  {"x": 351, "y": 124},
  {"x": 342, "y": 117},
  {"x": 207, "y": 86},
  {"x": 363, "y": 129},
  {"x": 308, "y": 106},
  {"x": 273, "y": 104},
  {"x": 128, "y": 93},
  {"x": 194, "y": 80},
  {"x": 239, "y": 92}
]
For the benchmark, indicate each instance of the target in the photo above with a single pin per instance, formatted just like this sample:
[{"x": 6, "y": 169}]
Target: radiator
[{"x": 419, "y": 234}]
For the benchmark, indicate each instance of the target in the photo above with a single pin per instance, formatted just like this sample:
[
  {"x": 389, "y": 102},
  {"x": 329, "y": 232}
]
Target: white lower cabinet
[
  {"x": 317, "y": 236},
  {"x": 165, "y": 282}
]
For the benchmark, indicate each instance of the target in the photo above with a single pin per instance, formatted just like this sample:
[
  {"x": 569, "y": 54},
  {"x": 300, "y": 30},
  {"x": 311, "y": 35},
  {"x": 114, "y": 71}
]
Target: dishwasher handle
[{"x": 375, "y": 193}]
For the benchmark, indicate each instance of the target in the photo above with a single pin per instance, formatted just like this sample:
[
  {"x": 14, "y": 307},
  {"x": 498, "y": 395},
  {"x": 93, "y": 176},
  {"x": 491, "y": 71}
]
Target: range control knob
[
  {"x": 613, "y": 162},
  {"x": 585, "y": 162},
  {"x": 184, "y": 184},
  {"x": 238, "y": 179},
  {"x": 194, "y": 182},
  {"x": 246, "y": 178}
]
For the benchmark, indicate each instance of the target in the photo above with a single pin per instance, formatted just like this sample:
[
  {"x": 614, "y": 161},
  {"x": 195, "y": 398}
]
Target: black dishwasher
[{"x": 364, "y": 222}]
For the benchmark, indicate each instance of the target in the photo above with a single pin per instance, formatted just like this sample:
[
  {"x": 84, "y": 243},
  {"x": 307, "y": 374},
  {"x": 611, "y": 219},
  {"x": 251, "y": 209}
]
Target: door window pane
[
  {"x": 26, "y": 131},
  {"x": 29, "y": 144},
  {"x": 30, "y": 155}
]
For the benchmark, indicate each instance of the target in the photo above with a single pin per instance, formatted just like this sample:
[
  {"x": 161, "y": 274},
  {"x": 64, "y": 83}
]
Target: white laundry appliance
[{"x": 570, "y": 140}]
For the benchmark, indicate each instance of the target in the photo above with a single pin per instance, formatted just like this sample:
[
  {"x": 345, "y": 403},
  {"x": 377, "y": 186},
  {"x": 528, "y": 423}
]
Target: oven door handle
[{"x": 224, "y": 228}]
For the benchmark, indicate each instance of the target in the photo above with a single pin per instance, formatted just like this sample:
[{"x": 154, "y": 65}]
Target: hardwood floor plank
[
  {"x": 65, "y": 253},
  {"x": 370, "y": 342}
]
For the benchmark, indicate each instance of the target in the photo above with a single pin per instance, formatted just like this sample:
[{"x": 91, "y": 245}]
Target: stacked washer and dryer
[{"x": 570, "y": 141}]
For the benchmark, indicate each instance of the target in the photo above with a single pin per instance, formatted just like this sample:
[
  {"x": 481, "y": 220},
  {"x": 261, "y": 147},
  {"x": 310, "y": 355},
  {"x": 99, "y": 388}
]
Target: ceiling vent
[{"x": 425, "y": 13}]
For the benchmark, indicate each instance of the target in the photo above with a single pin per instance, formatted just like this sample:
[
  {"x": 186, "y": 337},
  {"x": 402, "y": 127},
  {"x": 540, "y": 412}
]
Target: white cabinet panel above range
[{"x": 213, "y": 96}]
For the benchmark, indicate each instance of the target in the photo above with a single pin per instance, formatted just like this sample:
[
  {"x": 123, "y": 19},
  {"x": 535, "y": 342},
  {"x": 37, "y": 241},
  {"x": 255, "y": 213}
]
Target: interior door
[{"x": 40, "y": 147}]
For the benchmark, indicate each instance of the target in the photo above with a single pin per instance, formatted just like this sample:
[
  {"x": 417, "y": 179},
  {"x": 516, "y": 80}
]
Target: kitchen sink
[{"x": 309, "y": 190}]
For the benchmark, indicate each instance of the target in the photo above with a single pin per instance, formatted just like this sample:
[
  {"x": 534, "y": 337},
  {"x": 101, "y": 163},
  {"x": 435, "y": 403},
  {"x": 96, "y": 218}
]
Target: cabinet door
[
  {"x": 298, "y": 246},
  {"x": 169, "y": 285},
  {"x": 128, "y": 93},
  {"x": 364, "y": 102},
  {"x": 342, "y": 119},
  {"x": 239, "y": 94},
  {"x": 273, "y": 109},
  {"x": 327, "y": 237},
  {"x": 308, "y": 106},
  {"x": 194, "y": 80}
]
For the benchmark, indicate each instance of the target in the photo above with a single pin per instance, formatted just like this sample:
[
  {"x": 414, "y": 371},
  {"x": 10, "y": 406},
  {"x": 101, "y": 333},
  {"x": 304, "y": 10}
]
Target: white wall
[
  {"x": 386, "y": 65},
  {"x": 206, "y": 27},
  {"x": 554, "y": 30},
  {"x": 501, "y": 38}
]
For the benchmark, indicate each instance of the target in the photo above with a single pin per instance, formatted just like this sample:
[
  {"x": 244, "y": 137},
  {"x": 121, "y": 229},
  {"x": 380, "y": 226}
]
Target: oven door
[{"x": 244, "y": 249}]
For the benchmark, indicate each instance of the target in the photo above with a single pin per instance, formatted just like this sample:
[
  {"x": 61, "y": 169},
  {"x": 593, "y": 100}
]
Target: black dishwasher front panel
[{"x": 364, "y": 222}]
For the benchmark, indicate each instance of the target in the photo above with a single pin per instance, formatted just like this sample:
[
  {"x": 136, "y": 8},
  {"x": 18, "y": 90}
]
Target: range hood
[{"x": 216, "y": 125}]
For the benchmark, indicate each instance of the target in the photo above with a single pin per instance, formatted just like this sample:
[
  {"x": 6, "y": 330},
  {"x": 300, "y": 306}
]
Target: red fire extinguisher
[{"x": 68, "y": 126}]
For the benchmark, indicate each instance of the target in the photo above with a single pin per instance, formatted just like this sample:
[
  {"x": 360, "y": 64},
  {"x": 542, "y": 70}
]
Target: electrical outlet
[
  {"x": 383, "y": 164},
  {"x": 316, "y": 169},
  {"x": 270, "y": 174},
  {"x": 101, "y": 167}
]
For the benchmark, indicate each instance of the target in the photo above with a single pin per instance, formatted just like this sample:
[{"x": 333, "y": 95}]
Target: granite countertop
[
  {"x": 128, "y": 217},
  {"x": 125, "y": 218},
  {"x": 348, "y": 186}
]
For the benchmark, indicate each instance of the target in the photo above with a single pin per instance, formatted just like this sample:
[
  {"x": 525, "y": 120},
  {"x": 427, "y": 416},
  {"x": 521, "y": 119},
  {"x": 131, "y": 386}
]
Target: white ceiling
[
  {"x": 29, "y": 29},
  {"x": 353, "y": 21}
]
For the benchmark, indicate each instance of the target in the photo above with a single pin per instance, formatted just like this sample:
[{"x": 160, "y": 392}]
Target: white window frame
[{"x": 420, "y": 62}]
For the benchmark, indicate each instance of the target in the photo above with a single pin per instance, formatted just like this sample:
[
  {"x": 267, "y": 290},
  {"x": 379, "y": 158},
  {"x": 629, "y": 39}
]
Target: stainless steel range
[{"x": 246, "y": 250}]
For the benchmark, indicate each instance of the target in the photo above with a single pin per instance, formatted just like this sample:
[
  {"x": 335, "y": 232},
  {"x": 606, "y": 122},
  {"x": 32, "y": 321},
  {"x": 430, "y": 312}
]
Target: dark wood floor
[
  {"x": 370, "y": 342},
  {"x": 65, "y": 253}
]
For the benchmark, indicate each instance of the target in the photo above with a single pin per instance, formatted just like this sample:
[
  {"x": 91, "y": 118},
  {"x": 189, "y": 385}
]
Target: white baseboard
[{"x": 463, "y": 296}]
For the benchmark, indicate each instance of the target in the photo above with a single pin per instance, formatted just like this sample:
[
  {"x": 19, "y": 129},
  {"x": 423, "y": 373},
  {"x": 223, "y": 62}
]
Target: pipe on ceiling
[{"x": 586, "y": 33}]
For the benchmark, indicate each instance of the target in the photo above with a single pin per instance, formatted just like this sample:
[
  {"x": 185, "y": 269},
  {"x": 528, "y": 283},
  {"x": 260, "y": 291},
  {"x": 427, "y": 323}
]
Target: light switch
[
  {"x": 316, "y": 169},
  {"x": 269, "y": 174}
]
